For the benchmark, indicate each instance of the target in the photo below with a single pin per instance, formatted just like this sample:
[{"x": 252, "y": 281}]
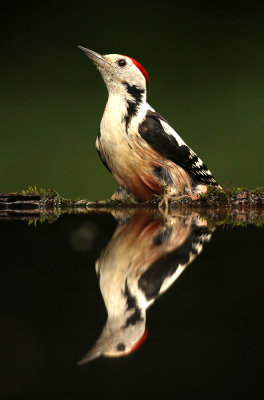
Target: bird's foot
[
  {"x": 169, "y": 196},
  {"x": 166, "y": 200},
  {"x": 122, "y": 194}
]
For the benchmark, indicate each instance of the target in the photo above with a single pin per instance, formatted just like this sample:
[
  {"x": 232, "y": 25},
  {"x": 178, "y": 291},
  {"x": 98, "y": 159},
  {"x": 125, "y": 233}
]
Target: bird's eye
[
  {"x": 120, "y": 347},
  {"x": 121, "y": 62}
]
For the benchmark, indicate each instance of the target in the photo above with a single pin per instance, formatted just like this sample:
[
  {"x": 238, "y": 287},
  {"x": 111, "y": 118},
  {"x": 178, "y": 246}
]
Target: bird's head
[
  {"x": 117, "y": 341},
  {"x": 118, "y": 71}
]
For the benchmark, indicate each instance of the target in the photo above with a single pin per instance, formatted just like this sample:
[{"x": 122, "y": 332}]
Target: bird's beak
[{"x": 95, "y": 57}]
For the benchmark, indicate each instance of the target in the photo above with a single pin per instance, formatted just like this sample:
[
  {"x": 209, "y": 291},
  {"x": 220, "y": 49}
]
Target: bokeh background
[{"x": 205, "y": 61}]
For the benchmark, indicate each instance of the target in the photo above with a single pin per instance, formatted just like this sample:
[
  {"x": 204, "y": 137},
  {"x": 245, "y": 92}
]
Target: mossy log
[{"x": 230, "y": 205}]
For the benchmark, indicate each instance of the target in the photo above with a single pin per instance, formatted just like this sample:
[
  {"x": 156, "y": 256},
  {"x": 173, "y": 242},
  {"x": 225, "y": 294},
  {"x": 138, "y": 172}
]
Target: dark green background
[{"x": 205, "y": 61}]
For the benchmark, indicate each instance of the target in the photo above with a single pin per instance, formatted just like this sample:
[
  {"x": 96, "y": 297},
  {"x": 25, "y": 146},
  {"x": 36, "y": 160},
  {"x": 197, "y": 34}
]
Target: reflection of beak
[
  {"x": 99, "y": 347},
  {"x": 95, "y": 352},
  {"x": 95, "y": 57}
]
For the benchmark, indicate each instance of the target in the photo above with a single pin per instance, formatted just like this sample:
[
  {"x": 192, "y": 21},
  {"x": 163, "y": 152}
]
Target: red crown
[{"x": 141, "y": 69}]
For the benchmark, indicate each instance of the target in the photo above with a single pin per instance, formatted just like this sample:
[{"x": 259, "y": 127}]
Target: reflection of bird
[
  {"x": 141, "y": 261},
  {"x": 145, "y": 155}
]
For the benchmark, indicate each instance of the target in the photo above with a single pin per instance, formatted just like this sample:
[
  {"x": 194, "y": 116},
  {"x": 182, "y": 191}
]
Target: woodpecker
[
  {"x": 136, "y": 144},
  {"x": 142, "y": 260}
]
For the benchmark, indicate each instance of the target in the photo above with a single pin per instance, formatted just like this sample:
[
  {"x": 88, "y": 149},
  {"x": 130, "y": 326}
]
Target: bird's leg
[
  {"x": 170, "y": 194},
  {"x": 124, "y": 195}
]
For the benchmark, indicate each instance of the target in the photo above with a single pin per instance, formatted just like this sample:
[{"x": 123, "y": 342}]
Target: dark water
[{"x": 205, "y": 334}]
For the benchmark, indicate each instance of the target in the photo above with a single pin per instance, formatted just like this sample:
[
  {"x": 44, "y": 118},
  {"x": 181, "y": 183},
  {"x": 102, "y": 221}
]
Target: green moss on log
[{"x": 229, "y": 196}]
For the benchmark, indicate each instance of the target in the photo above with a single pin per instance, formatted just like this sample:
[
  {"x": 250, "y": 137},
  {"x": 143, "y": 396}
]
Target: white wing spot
[
  {"x": 198, "y": 247},
  {"x": 198, "y": 163},
  {"x": 168, "y": 129},
  {"x": 143, "y": 109}
]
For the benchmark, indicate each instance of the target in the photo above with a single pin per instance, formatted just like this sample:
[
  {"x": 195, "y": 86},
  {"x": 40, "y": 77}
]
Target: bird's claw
[{"x": 167, "y": 199}]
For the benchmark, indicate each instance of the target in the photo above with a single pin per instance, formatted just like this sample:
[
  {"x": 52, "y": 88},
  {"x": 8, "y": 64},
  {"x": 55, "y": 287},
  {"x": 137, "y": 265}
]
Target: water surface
[{"x": 197, "y": 289}]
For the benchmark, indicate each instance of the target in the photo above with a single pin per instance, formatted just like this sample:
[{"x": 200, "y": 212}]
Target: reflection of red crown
[{"x": 140, "y": 341}]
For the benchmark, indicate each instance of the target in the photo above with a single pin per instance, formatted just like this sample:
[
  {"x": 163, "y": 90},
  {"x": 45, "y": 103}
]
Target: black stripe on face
[
  {"x": 132, "y": 106},
  {"x": 131, "y": 300},
  {"x": 134, "y": 318},
  {"x": 132, "y": 305}
]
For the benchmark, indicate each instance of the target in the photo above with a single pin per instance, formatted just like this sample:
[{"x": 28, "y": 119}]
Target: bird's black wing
[
  {"x": 156, "y": 131},
  {"x": 170, "y": 265}
]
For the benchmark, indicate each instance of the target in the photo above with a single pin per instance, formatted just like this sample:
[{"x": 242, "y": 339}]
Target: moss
[
  {"x": 233, "y": 218},
  {"x": 232, "y": 195},
  {"x": 231, "y": 206},
  {"x": 29, "y": 190},
  {"x": 229, "y": 195}
]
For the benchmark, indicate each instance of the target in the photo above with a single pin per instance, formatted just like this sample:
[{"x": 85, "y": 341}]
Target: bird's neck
[{"x": 122, "y": 106}]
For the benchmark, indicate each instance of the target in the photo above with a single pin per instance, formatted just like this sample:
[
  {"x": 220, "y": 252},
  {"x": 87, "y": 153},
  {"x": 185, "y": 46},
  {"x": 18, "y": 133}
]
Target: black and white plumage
[
  {"x": 136, "y": 144},
  {"x": 142, "y": 260},
  {"x": 162, "y": 138}
]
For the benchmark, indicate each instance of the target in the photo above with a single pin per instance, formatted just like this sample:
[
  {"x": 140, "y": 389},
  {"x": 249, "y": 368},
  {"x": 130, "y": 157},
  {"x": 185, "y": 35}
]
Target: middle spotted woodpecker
[
  {"x": 136, "y": 144},
  {"x": 140, "y": 263}
]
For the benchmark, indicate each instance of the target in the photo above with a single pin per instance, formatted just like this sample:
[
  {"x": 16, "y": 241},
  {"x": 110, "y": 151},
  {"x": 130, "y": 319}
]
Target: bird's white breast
[{"x": 116, "y": 141}]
